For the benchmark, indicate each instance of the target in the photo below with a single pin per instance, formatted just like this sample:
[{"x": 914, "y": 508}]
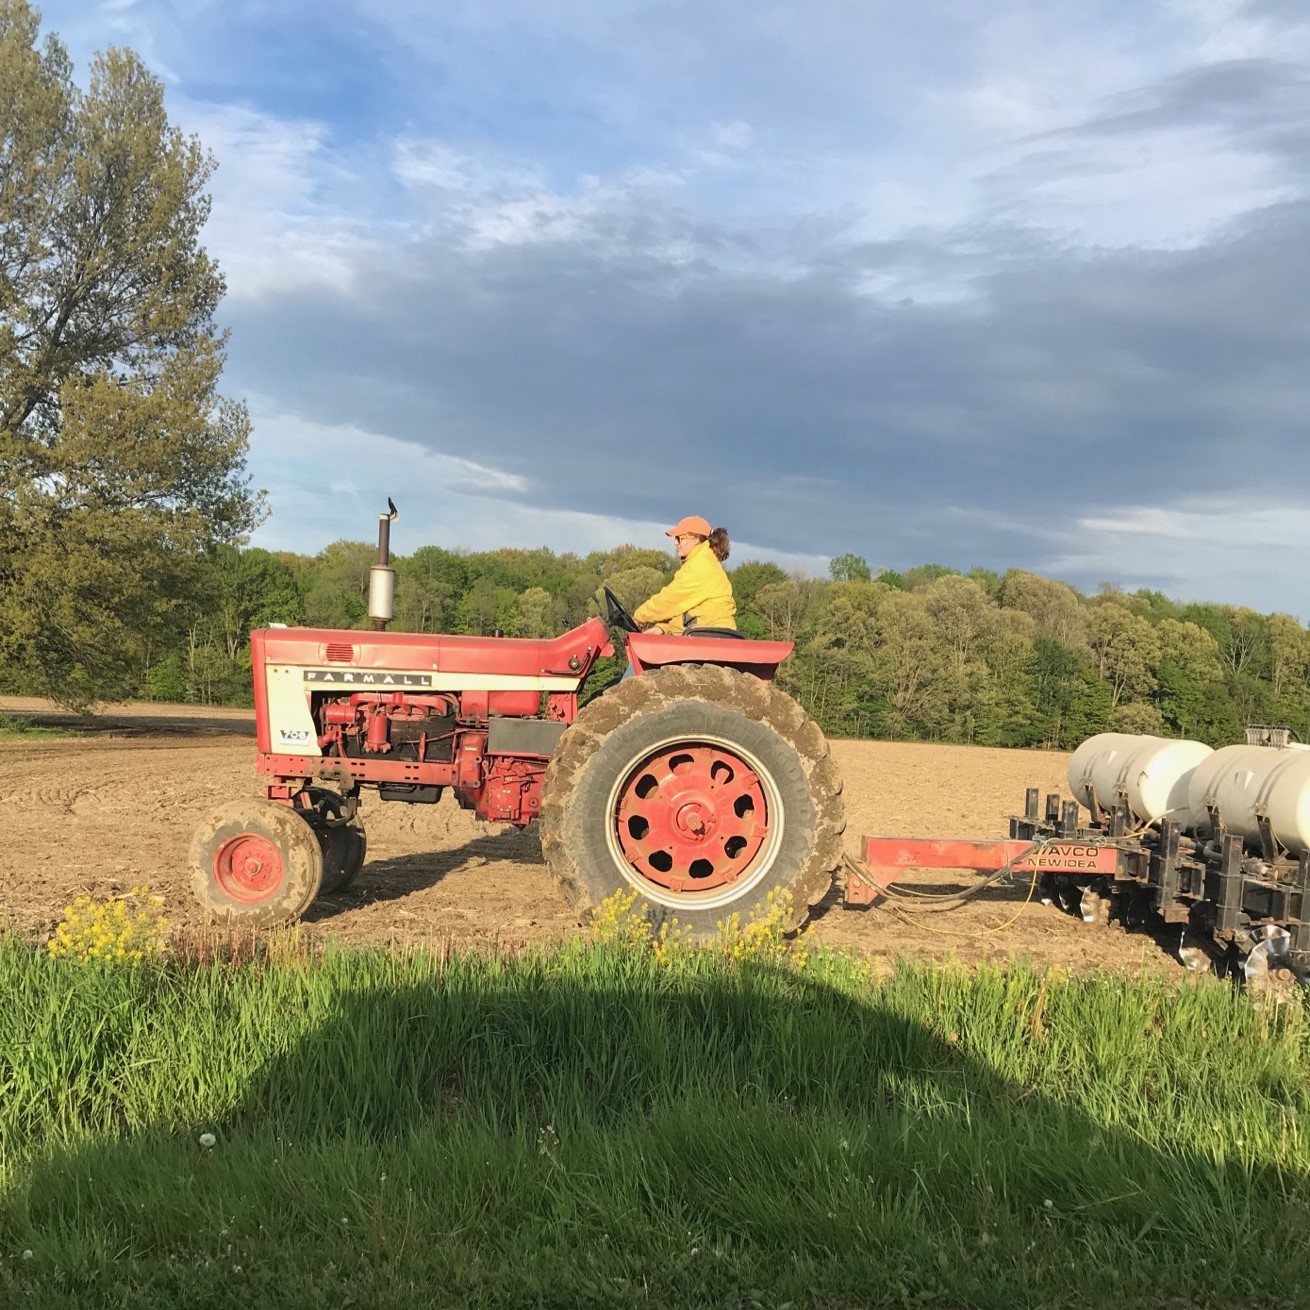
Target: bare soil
[{"x": 114, "y": 804}]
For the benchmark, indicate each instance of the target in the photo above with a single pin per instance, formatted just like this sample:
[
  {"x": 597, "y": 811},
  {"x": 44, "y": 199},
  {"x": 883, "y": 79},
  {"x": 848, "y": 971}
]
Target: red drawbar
[{"x": 886, "y": 858}]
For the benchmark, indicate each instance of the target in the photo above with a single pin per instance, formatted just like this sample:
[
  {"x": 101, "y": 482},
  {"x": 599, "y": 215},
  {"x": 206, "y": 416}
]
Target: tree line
[{"x": 930, "y": 654}]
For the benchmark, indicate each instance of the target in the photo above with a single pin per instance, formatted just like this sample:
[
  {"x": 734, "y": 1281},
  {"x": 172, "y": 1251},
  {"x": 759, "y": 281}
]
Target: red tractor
[{"x": 698, "y": 782}]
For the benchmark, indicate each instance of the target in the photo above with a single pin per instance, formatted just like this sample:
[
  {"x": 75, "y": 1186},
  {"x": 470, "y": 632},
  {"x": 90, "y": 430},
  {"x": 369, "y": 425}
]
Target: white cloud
[
  {"x": 736, "y": 135},
  {"x": 721, "y": 145},
  {"x": 285, "y": 202},
  {"x": 489, "y": 199},
  {"x": 1228, "y": 29},
  {"x": 1222, "y": 524},
  {"x": 1237, "y": 550},
  {"x": 332, "y": 480},
  {"x": 1170, "y": 189}
]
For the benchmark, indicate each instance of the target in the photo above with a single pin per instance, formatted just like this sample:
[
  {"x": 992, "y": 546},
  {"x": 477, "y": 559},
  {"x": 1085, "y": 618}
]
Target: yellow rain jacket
[{"x": 699, "y": 595}]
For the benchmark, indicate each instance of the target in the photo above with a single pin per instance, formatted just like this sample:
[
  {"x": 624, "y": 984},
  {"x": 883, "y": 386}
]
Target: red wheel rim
[
  {"x": 691, "y": 818},
  {"x": 248, "y": 868}
]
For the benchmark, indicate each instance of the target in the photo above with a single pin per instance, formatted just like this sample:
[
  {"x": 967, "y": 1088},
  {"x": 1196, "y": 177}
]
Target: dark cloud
[
  {"x": 964, "y": 396},
  {"x": 1258, "y": 102},
  {"x": 811, "y": 415},
  {"x": 1290, "y": 11}
]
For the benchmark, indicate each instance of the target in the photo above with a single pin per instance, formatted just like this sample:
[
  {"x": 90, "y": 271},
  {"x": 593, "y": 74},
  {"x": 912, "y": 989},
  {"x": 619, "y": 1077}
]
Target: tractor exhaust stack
[{"x": 382, "y": 577}]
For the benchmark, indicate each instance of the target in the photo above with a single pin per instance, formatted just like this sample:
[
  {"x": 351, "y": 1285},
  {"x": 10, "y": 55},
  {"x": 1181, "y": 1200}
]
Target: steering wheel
[{"x": 619, "y": 617}]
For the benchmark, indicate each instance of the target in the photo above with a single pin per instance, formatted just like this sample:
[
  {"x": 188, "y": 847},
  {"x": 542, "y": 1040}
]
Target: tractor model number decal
[
  {"x": 365, "y": 678},
  {"x": 297, "y": 735}
]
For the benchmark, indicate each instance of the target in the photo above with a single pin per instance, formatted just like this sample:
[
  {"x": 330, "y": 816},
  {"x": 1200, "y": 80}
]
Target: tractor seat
[{"x": 714, "y": 632}]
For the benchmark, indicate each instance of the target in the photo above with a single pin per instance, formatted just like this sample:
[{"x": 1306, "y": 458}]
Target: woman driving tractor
[{"x": 700, "y": 595}]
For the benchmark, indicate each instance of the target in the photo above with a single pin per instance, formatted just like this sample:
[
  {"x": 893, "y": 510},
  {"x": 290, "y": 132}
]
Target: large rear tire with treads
[{"x": 703, "y": 789}]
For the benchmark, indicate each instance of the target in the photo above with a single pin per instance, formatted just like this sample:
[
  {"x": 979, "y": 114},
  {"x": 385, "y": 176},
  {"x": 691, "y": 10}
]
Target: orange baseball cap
[{"x": 692, "y": 523}]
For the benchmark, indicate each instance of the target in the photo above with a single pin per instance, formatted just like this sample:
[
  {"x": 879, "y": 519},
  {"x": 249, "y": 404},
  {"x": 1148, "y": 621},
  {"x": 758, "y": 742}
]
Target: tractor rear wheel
[
  {"x": 256, "y": 862},
  {"x": 699, "y": 787}
]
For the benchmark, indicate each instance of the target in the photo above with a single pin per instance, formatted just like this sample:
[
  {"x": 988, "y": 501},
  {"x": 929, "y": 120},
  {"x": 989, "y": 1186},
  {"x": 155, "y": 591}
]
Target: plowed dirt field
[{"x": 115, "y": 805}]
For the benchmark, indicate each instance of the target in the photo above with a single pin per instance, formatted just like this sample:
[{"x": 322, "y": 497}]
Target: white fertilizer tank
[
  {"x": 1246, "y": 782},
  {"x": 1151, "y": 773}
]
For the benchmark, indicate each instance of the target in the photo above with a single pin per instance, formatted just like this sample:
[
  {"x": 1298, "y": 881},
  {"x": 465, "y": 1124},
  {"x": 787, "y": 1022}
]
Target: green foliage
[
  {"x": 535, "y": 614},
  {"x": 748, "y": 578},
  {"x": 120, "y": 464},
  {"x": 1138, "y": 717},
  {"x": 623, "y": 558},
  {"x": 926, "y": 574},
  {"x": 429, "y": 585},
  {"x": 21, "y": 727},
  {"x": 251, "y": 589},
  {"x": 488, "y": 607},
  {"x": 605, "y": 673},
  {"x": 634, "y": 585},
  {"x": 1056, "y": 678},
  {"x": 779, "y": 606},
  {"x": 166, "y": 680},
  {"x": 1090, "y": 710},
  {"x": 1017, "y": 660},
  {"x": 1057, "y": 610},
  {"x": 1125, "y": 648},
  {"x": 849, "y": 568}
]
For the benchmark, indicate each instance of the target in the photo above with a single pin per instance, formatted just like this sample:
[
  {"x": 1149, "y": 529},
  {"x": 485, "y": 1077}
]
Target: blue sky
[{"x": 1016, "y": 284}]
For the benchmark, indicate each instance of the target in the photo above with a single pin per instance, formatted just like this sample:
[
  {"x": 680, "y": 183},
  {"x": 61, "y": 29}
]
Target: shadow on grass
[{"x": 501, "y": 1133}]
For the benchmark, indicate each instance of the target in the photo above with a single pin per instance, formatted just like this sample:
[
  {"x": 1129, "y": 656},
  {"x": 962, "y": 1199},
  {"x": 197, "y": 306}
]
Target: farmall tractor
[{"x": 697, "y": 783}]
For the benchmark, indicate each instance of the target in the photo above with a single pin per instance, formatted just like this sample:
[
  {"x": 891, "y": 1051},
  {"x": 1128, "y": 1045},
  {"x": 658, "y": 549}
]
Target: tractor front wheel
[
  {"x": 256, "y": 862},
  {"x": 344, "y": 847},
  {"x": 701, "y": 788},
  {"x": 344, "y": 843}
]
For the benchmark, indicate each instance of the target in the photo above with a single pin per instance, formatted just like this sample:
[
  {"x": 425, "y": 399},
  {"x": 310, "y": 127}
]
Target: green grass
[
  {"x": 22, "y": 728},
  {"x": 587, "y": 1127}
]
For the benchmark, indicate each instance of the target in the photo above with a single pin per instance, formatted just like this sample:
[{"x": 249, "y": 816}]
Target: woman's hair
[{"x": 719, "y": 543}]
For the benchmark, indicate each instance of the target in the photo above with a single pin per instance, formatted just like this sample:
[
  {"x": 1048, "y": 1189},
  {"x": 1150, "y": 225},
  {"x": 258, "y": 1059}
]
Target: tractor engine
[{"x": 398, "y": 725}]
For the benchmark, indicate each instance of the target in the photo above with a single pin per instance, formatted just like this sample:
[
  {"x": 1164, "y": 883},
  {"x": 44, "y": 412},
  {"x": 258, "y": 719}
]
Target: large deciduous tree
[
  {"x": 121, "y": 466},
  {"x": 849, "y": 568},
  {"x": 1125, "y": 649}
]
